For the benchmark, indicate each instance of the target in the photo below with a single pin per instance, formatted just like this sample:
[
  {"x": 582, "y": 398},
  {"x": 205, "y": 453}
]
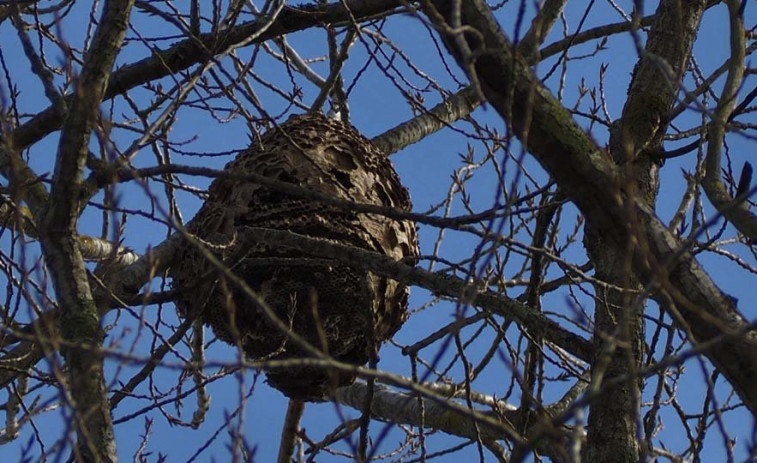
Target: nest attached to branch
[{"x": 344, "y": 310}]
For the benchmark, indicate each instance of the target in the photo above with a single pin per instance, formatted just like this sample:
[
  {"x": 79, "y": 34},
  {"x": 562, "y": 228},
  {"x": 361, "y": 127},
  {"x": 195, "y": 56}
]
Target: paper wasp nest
[{"x": 320, "y": 299}]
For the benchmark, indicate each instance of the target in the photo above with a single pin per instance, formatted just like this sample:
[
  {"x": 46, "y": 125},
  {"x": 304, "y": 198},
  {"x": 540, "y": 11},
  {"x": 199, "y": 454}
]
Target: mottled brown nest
[{"x": 355, "y": 309}]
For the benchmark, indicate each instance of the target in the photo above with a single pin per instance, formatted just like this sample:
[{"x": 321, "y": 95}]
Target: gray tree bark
[
  {"x": 635, "y": 144},
  {"x": 80, "y": 328},
  {"x": 615, "y": 208}
]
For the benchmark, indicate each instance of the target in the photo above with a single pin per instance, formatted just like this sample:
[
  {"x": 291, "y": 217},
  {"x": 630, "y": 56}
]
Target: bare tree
[{"x": 581, "y": 184}]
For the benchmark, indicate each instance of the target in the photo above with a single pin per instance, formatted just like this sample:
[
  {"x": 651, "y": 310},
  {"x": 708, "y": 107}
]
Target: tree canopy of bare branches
[{"x": 581, "y": 181}]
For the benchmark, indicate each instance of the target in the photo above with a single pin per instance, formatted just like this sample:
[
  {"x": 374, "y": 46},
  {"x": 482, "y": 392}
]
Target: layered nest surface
[{"x": 343, "y": 310}]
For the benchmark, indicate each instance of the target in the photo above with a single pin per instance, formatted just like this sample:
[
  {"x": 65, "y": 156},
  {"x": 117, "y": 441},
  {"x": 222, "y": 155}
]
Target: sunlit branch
[{"x": 736, "y": 211}]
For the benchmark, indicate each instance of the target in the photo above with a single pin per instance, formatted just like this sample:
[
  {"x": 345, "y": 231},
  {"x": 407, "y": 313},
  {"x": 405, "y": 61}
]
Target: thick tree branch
[
  {"x": 588, "y": 176},
  {"x": 454, "y": 108},
  {"x": 290, "y": 430},
  {"x": 80, "y": 321},
  {"x": 397, "y": 407},
  {"x": 635, "y": 140}
]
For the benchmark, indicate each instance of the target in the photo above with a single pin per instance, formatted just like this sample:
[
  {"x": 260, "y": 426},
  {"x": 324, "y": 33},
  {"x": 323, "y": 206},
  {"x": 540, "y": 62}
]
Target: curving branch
[
  {"x": 589, "y": 177},
  {"x": 734, "y": 209},
  {"x": 398, "y": 407}
]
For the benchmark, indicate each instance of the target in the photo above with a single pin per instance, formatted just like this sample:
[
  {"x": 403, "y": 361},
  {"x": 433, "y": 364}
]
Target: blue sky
[{"x": 376, "y": 105}]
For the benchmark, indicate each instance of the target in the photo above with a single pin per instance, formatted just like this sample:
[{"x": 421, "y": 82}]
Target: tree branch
[
  {"x": 196, "y": 50},
  {"x": 396, "y": 407},
  {"x": 536, "y": 323},
  {"x": 80, "y": 321},
  {"x": 735, "y": 210},
  {"x": 588, "y": 176}
]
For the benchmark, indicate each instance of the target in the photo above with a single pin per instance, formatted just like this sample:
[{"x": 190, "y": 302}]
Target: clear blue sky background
[{"x": 425, "y": 168}]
